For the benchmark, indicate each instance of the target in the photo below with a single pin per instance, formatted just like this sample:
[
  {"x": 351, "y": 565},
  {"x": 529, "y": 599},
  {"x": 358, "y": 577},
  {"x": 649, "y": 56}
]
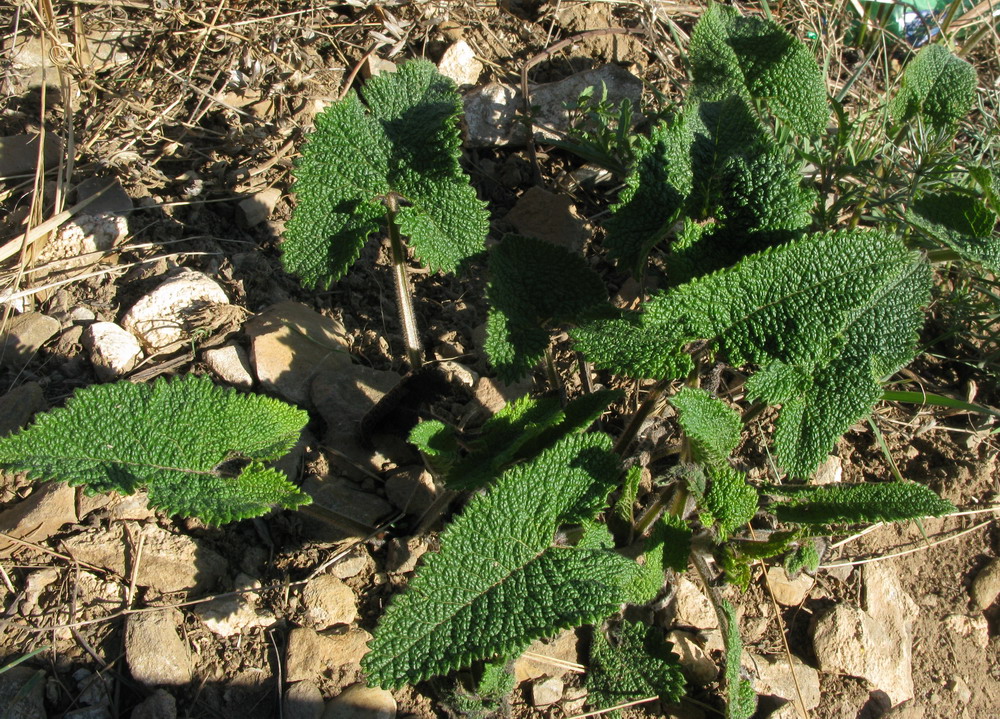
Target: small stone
[
  {"x": 830, "y": 472},
  {"x": 160, "y": 705},
  {"x": 412, "y": 490},
  {"x": 574, "y": 699},
  {"x": 303, "y": 700},
  {"x": 25, "y": 335},
  {"x": 960, "y": 689},
  {"x": 361, "y": 702},
  {"x": 40, "y": 515},
  {"x": 347, "y": 393},
  {"x": 460, "y": 63},
  {"x": 231, "y": 364},
  {"x": 907, "y": 710},
  {"x": 19, "y": 153},
  {"x": 257, "y": 208},
  {"x": 550, "y": 217},
  {"x": 155, "y": 652},
  {"x": 562, "y": 649},
  {"x": 554, "y": 99},
  {"x": 113, "y": 350},
  {"x": 697, "y": 664},
  {"x": 81, "y": 236},
  {"x": 977, "y": 628},
  {"x": 30, "y": 704},
  {"x": 546, "y": 691},
  {"x": 375, "y": 66},
  {"x": 329, "y": 601},
  {"x": 352, "y": 565},
  {"x": 310, "y": 653},
  {"x": 404, "y": 555},
  {"x": 235, "y": 614},
  {"x": 491, "y": 117},
  {"x": 346, "y": 499},
  {"x": 842, "y": 572},
  {"x": 160, "y": 318},
  {"x": 170, "y": 562},
  {"x": 772, "y": 675},
  {"x": 789, "y": 592},
  {"x": 290, "y": 344},
  {"x": 113, "y": 201},
  {"x": 693, "y": 608},
  {"x": 986, "y": 586},
  {"x": 18, "y": 406}
]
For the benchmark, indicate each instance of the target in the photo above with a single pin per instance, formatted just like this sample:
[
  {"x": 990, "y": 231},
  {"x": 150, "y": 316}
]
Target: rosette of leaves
[
  {"x": 825, "y": 318},
  {"x": 389, "y": 155},
  {"x": 500, "y": 580},
  {"x": 197, "y": 448}
]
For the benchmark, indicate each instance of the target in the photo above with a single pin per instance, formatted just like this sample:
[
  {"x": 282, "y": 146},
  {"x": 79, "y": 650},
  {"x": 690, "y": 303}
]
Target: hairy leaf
[
  {"x": 404, "y": 140},
  {"x": 175, "y": 438},
  {"x": 637, "y": 664},
  {"x": 961, "y": 222},
  {"x": 742, "y": 700},
  {"x": 730, "y": 500},
  {"x": 712, "y": 427},
  {"x": 936, "y": 85},
  {"x": 498, "y": 581},
  {"x": 842, "y": 309},
  {"x": 858, "y": 503},
  {"x": 754, "y": 57},
  {"x": 534, "y": 285}
]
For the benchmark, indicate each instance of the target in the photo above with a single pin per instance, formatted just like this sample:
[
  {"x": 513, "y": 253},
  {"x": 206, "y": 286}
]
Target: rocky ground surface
[{"x": 175, "y": 269}]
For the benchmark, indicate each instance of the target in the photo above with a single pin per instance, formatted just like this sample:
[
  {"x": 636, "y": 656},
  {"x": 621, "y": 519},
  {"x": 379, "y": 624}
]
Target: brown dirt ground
[{"x": 162, "y": 122}]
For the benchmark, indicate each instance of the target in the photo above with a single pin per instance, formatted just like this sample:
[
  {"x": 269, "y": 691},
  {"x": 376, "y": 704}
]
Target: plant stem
[
  {"x": 640, "y": 416},
  {"x": 404, "y": 298}
]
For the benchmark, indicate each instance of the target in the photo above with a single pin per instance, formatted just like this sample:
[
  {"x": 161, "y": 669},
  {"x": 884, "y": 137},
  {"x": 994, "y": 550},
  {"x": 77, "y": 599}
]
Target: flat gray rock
[
  {"x": 40, "y": 515},
  {"x": 19, "y": 153},
  {"x": 25, "y": 335},
  {"x": 161, "y": 705},
  {"x": 303, "y": 700},
  {"x": 309, "y": 653},
  {"x": 18, "y": 406},
  {"x": 155, "y": 652},
  {"x": 31, "y": 705},
  {"x": 361, "y": 702}
]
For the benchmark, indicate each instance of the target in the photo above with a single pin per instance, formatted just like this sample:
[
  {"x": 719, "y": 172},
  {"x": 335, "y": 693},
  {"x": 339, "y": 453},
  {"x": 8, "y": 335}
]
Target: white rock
[
  {"x": 698, "y": 665},
  {"x": 310, "y": 653},
  {"x": 113, "y": 350},
  {"x": 257, "y": 208},
  {"x": 771, "y": 675},
  {"x": 231, "y": 364},
  {"x": 158, "y": 318},
  {"x": 235, "y": 614},
  {"x": 154, "y": 650},
  {"x": 977, "y": 628},
  {"x": 830, "y": 472},
  {"x": 329, "y": 601},
  {"x": 789, "y": 592},
  {"x": 491, "y": 116},
  {"x": 562, "y": 649},
  {"x": 546, "y": 691},
  {"x": 39, "y": 516},
  {"x": 82, "y": 235},
  {"x": 459, "y": 62},
  {"x": 693, "y": 608},
  {"x": 875, "y": 643},
  {"x": 361, "y": 702}
]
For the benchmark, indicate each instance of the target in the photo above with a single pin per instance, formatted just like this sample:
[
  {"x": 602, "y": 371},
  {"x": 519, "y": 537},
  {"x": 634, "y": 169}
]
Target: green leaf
[
  {"x": 498, "y": 581},
  {"x": 630, "y": 489},
  {"x": 937, "y": 86},
  {"x": 712, "y": 427},
  {"x": 837, "y": 311},
  {"x": 858, "y": 503},
  {"x": 534, "y": 285},
  {"x": 434, "y": 438},
  {"x": 754, "y": 57},
  {"x": 174, "y": 438},
  {"x": 404, "y": 140},
  {"x": 676, "y": 536},
  {"x": 638, "y": 664},
  {"x": 742, "y": 700},
  {"x": 730, "y": 500},
  {"x": 959, "y": 221}
]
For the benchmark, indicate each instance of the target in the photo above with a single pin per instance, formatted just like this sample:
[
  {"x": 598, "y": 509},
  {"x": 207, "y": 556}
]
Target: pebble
[
  {"x": 563, "y": 648},
  {"x": 303, "y": 700},
  {"x": 113, "y": 350},
  {"x": 830, "y": 472},
  {"x": 958, "y": 687},
  {"x": 159, "y": 318},
  {"x": 231, "y": 364},
  {"x": 19, "y": 153},
  {"x": 986, "y": 586},
  {"x": 290, "y": 344},
  {"x": 329, "y": 601},
  {"x": 80, "y": 236},
  {"x": 772, "y": 675},
  {"x": 19, "y": 405},
  {"x": 404, "y": 555},
  {"x": 25, "y": 335},
  {"x": 361, "y": 702},
  {"x": 352, "y": 565},
  {"x": 697, "y": 664},
  {"x": 693, "y": 608},
  {"x": 789, "y": 592},
  {"x": 412, "y": 490},
  {"x": 459, "y": 62},
  {"x": 551, "y": 217},
  {"x": 28, "y": 706},
  {"x": 977, "y": 628},
  {"x": 257, "y": 208},
  {"x": 113, "y": 201},
  {"x": 347, "y": 393},
  {"x": 40, "y": 515},
  {"x": 170, "y": 562},
  {"x": 345, "y": 498},
  {"x": 160, "y": 705},
  {"x": 155, "y": 652},
  {"x": 310, "y": 653},
  {"x": 546, "y": 691},
  {"x": 236, "y": 614}
]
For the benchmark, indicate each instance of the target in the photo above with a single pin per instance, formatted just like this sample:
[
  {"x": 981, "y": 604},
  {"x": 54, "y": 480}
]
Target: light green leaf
[
  {"x": 404, "y": 140},
  {"x": 936, "y": 85},
  {"x": 712, "y": 427},
  {"x": 730, "y": 500},
  {"x": 175, "y": 438},
  {"x": 498, "y": 581},
  {"x": 857, "y": 503},
  {"x": 754, "y": 57}
]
